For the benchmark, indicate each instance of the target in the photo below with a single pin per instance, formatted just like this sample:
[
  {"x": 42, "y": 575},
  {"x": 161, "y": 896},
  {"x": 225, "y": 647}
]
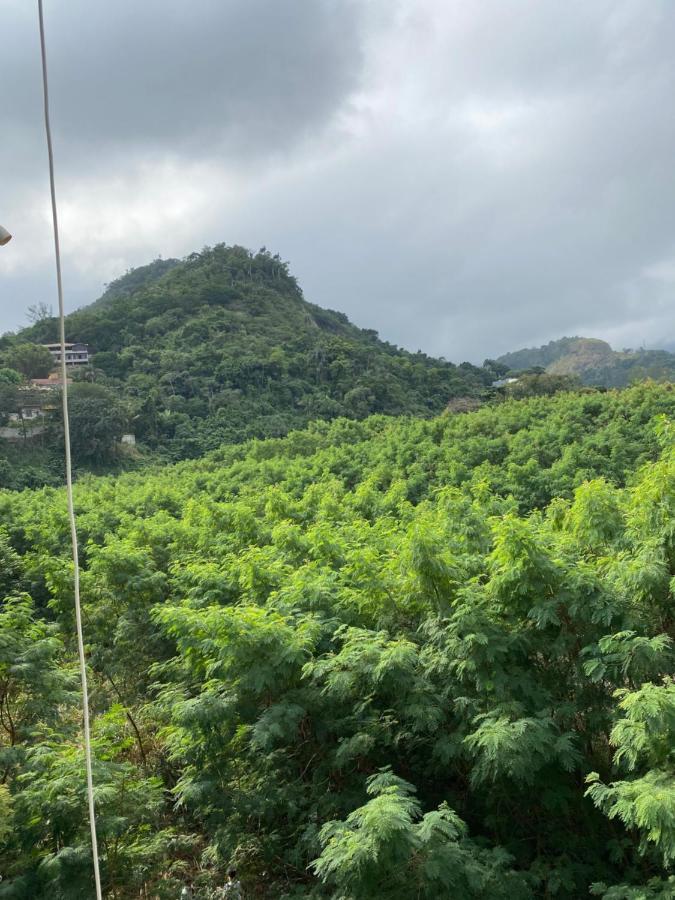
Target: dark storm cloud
[
  {"x": 214, "y": 76},
  {"x": 466, "y": 178}
]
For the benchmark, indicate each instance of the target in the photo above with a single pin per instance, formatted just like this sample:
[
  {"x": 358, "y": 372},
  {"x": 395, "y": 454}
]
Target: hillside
[
  {"x": 594, "y": 362},
  {"x": 373, "y": 659},
  {"x": 222, "y": 347}
]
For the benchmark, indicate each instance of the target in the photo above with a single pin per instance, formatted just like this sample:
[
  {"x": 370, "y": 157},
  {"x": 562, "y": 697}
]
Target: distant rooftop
[
  {"x": 54, "y": 381},
  {"x": 69, "y": 346}
]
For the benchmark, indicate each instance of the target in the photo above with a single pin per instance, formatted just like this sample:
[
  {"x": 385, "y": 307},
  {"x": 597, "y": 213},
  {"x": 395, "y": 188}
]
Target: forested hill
[
  {"x": 223, "y": 347},
  {"x": 594, "y": 362},
  {"x": 372, "y": 660}
]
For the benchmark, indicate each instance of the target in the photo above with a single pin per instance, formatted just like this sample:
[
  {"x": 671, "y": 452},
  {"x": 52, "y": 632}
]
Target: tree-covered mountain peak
[
  {"x": 225, "y": 277},
  {"x": 165, "y": 296},
  {"x": 222, "y": 346}
]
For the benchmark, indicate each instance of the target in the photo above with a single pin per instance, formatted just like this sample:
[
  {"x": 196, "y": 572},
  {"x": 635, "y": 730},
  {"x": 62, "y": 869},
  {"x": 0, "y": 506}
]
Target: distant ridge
[{"x": 594, "y": 362}]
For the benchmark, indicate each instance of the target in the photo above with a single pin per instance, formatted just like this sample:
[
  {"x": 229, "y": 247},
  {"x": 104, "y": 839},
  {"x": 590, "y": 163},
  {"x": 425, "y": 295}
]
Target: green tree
[
  {"x": 540, "y": 384},
  {"x": 10, "y": 400},
  {"x": 31, "y": 360},
  {"x": 97, "y": 422},
  {"x": 32, "y": 683},
  {"x": 388, "y": 849},
  {"x": 10, "y": 376}
]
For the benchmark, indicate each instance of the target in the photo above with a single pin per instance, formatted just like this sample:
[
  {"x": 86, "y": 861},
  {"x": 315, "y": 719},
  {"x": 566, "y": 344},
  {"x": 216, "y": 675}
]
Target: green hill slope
[
  {"x": 369, "y": 659},
  {"x": 223, "y": 347},
  {"x": 594, "y": 362}
]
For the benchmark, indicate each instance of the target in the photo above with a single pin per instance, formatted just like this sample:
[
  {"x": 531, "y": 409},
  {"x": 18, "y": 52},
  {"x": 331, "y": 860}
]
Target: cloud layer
[{"x": 466, "y": 178}]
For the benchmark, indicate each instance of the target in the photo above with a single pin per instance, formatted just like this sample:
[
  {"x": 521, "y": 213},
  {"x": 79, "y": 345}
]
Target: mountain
[
  {"x": 594, "y": 362},
  {"x": 222, "y": 347}
]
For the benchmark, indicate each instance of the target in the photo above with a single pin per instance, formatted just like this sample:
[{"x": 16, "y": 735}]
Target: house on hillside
[
  {"x": 28, "y": 413},
  {"x": 29, "y": 417},
  {"x": 502, "y": 382},
  {"x": 76, "y": 354},
  {"x": 38, "y": 399},
  {"x": 52, "y": 383},
  {"x": 33, "y": 407}
]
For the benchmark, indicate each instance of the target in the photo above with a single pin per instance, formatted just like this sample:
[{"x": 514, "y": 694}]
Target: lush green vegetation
[
  {"x": 594, "y": 362},
  {"x": 372, "y": 659},
  {"x": 222, "y": 347},
  {"x": 35, "y": 455},
  {"x": 28, "y": 359}
]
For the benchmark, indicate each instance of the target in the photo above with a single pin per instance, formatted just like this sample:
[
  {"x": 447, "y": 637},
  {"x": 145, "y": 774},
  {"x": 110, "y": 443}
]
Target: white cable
[{"x": 69, "y": 472}]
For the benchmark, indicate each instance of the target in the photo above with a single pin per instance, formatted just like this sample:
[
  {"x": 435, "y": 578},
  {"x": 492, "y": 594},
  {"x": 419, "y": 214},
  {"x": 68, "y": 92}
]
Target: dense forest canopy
[{"x": 372, "y": 659}]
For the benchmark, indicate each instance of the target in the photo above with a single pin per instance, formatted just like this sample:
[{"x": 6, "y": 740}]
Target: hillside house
[
  {"x": 37, "y": 400},
  {"x": 76, "y": 354},
  {"x": 36, "y": 403},
  {"x": 29, "y": 413},
  {"x": 52, "y": 383}
]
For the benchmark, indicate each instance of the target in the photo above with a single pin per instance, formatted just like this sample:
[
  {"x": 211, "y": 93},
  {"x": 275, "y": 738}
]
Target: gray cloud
[
  {"x": 466, "y": 178},
  {"x": 230, "y": 77}
]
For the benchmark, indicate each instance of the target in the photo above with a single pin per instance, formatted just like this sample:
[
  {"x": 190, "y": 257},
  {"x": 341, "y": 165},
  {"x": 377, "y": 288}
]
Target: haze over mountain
[{"x": 594, "y": 362}]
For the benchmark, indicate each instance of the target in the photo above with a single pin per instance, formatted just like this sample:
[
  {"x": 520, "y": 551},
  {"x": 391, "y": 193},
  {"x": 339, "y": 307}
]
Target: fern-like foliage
[{"x": 387, "y": 849}]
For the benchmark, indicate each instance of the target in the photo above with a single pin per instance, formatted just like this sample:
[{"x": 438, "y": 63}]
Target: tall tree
[{"x": 32, "y": 360}]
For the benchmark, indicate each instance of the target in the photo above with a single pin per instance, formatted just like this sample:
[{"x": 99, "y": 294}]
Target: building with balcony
[{"x": 76, "y": 354}]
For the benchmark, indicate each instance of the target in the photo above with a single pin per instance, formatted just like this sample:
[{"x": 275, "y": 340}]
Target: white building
[
  {"x": 76, "y": 354},
  {"x": 28, "y": 413}
]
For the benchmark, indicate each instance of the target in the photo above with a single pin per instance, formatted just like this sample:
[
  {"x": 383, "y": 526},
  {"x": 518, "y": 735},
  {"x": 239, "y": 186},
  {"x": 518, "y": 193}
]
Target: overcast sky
[{"x": 465, "y": 177}]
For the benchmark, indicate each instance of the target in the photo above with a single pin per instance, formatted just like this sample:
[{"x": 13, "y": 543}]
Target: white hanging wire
[{"x": 69, "y": 473}]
